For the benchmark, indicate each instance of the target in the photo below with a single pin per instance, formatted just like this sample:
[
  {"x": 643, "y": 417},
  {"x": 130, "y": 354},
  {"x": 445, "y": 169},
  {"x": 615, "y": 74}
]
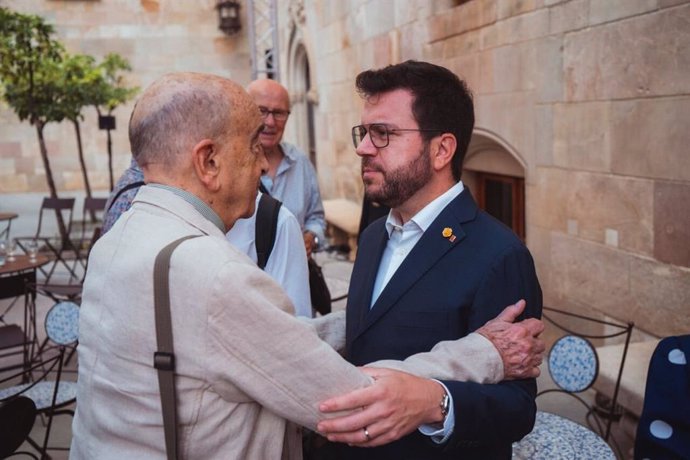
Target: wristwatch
[
  {"x": 445, "y": 405},
  {"x": 316, "y": 238}
]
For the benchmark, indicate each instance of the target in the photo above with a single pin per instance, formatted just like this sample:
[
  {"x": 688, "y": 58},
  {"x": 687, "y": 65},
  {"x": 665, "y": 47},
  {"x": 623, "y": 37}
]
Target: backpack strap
[
  {"x": 266, "y": 227},
  {"x": 164, "y": 357},
  {"x": 123, "y": 190}
]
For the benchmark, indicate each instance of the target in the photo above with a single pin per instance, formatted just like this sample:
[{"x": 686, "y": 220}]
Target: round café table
[
  {"x": 22, "y": 263},
  {"x": 15, "y": 276},
  {"x": 557, "y": 438}
]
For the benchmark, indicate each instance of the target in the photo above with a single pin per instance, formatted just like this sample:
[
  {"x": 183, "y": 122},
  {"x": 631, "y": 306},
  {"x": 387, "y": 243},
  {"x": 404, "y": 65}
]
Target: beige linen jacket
[{"x": 246, "y": 367}]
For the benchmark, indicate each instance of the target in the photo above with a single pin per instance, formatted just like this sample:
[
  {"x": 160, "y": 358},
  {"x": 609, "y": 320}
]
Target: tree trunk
[
  {"x": 82, "y": 163},
  {"x": 64, "y": 235},
  {"x": 110, "y": 161}
]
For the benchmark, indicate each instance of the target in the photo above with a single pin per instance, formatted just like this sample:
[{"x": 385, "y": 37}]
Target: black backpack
[
  {"x": 264, "y": 239},
  {"x": 265, "y": 228}
]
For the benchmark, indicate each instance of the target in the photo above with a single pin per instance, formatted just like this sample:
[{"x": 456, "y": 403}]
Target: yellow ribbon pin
[{"x": 447, "y": 232}]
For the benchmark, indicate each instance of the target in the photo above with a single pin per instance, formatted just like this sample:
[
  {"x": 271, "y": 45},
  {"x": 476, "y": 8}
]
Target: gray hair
[{"x": 175, "y": 113}]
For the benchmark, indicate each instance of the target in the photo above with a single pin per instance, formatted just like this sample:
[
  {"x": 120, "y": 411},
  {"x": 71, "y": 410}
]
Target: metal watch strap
[
  {"x": 164, "y": 357},
  {"x": 445, "y": 404}
]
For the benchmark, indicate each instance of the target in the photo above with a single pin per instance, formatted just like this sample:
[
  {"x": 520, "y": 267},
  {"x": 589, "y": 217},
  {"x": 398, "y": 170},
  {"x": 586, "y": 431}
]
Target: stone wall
[
  {"x": 593, "y": 95},
  {"x": 156, "y": 37}
]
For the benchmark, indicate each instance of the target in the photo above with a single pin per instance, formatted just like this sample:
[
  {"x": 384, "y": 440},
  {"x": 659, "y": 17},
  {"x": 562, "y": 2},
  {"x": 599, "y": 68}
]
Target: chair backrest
[
  {"x": 94, "y": 204},
  {"x": 664, "y": 427},
  {"x": 62, "y": 323},
  {"x": 47, "y": 390},
  {"x": 17, "y": 418},
  {"x": 64, "y": 206},
  {"x": 43, "y": 390},
  {"x": 94, "y": 208},
  {"x": 573, "y": 362}
]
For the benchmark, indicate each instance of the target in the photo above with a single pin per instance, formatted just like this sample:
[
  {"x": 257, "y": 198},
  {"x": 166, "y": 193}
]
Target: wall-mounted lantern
[{"x": 228, "y": 16}]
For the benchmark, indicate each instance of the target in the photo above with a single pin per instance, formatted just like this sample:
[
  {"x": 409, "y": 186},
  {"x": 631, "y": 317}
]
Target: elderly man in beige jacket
[{"x": 245, "y": 367}]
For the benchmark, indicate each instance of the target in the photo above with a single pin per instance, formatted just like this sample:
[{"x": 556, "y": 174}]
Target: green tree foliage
[
  {"x": 29, "y": 69},
  {"x": 114, "y": 92},
  {"x": 43, "y": 83},
  {"x": 29, "y": 61}
]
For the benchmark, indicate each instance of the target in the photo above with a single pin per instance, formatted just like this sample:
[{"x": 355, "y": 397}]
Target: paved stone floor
[{"x": 337, "y": 270}]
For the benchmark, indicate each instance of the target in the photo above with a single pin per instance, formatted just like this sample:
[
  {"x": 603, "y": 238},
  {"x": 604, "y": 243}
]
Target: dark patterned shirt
[{"x": 123, "y": 201}]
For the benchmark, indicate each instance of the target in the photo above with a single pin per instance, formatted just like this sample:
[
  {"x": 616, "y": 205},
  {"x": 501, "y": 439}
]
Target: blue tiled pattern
[
  {"x": 42, "y": 393},
  {"x": 556, "y": 438},
  {"x": 62, "y": 323},
  {"x": 573, "y": 363}
]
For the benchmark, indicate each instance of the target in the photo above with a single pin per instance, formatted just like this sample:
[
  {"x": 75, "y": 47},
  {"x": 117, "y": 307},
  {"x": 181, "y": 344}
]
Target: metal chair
[
  {"x": 17, "y": 417},
  {"x": 15, "y": 339},
  {"x": 71, "y": 291},
  {"x": 573, "y": 364},
  {"x": 90, "y": 228},
  {"x": 58, "y": 247},
  {"x": 664, "y": 428},
  {"x": 50, "y": 396}
]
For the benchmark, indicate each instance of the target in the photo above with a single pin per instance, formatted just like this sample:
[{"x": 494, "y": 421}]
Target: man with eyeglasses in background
[
  {"x": 436, "y": 268},
  {"x": 291, "y": 178}
]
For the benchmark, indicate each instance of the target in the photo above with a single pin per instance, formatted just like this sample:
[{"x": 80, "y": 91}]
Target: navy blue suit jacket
[{"x": 444, "y": 290}]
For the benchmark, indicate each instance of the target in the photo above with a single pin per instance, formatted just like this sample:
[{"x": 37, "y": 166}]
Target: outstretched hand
[
  {"x": 519, "y": 344},
  {"x": 309, "y": 242},
  {"x": 396, "y": 404}
]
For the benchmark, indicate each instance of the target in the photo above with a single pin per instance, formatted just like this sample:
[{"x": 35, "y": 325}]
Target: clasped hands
[{"x": 397, "y": 403}]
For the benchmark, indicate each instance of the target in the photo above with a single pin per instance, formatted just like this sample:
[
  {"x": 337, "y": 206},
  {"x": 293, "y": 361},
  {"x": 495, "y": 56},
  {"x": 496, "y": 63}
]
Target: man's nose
[
  {"x": 270, "y": 119},
  {"x": 366, "y": 147}
]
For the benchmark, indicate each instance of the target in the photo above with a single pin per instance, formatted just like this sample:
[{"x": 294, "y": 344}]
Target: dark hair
[{"x": 441, "y": 100}]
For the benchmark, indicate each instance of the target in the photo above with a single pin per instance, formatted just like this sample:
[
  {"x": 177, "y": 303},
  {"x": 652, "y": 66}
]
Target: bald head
[
  {"x": 178, "y": 110},
  {"x": 200, "y": 133},
  {"x": 271, "y": 89},
  {"x": 271, "y": 97}
]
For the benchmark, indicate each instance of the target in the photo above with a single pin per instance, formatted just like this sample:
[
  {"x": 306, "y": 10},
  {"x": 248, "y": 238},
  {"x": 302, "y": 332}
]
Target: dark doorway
[{"x": 504, "y": 198}]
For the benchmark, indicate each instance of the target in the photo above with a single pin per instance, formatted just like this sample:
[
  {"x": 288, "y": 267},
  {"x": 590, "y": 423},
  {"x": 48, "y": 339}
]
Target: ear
[
  {"x": 443, "y": 150},
  {"x": 206, "y": 164}
]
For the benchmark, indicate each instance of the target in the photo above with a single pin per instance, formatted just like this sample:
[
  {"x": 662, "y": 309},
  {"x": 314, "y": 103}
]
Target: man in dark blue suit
[{"x": 436, "y": 268}]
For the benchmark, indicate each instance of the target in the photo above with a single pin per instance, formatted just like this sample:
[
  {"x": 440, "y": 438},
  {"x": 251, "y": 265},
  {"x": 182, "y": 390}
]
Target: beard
[{"x": 400, "y": 184}]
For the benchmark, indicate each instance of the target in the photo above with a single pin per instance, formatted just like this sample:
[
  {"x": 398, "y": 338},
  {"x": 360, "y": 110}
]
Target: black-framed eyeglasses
[
  {"x": 278, "y": 115},
  {"x": 379, "y": 133}
]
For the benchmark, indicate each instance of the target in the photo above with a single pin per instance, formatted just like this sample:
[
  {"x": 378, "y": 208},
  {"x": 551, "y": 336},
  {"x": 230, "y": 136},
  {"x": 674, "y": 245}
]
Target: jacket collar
[{"x": 168, "y": 200}]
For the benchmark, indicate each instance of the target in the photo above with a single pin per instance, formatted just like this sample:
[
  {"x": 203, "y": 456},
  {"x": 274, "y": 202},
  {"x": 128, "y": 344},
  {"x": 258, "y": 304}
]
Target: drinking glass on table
[
  {"x": 32, "y": 249},
  {"x": 11, "y": 250}
]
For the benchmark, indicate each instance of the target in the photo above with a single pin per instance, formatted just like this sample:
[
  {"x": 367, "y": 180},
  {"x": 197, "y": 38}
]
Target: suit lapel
[
  {"x": 429, "y": 249},
  {"x": 372, "y": 271},
  {"x": 359, "y": 302}
]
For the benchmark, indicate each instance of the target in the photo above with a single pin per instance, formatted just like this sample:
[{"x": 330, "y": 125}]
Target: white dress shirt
[
  {"x": 401, "y": 239},
  {"x": 288, "y": 261}
]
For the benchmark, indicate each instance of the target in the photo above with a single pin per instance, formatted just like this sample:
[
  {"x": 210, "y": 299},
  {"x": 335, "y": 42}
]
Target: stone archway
[
  {"x": 303, "y": 96},
  {"x": 495, "y": 174}
]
